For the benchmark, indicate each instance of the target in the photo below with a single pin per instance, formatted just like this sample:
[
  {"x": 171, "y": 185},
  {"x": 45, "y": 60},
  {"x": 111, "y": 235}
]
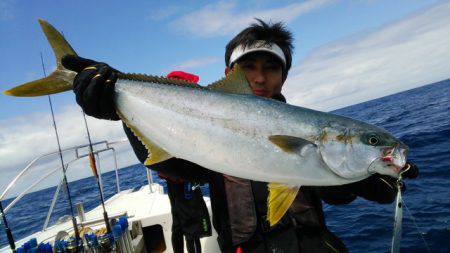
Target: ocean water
[{"x": 420, "y": 117}]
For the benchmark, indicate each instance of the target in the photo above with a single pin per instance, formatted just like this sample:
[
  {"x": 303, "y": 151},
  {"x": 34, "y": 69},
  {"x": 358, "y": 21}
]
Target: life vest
[{"x": 247, "y": 210}]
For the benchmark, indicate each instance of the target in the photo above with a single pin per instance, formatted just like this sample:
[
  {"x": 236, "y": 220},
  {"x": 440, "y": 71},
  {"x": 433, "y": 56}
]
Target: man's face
[{"x": 264, "y": 73}]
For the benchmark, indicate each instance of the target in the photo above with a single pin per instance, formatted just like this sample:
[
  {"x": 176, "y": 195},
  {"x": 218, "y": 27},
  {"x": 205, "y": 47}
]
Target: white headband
[{"x": 259, "y": 45}]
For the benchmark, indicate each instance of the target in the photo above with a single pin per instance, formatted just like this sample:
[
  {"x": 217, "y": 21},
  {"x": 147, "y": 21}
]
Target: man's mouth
[{"x": 261, "y": 92}]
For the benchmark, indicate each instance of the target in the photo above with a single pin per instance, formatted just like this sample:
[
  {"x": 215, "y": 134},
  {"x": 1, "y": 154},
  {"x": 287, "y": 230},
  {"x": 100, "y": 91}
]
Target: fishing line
[
  {"x": 74, "y": 220},
  {"x": 417, "y": 227}
]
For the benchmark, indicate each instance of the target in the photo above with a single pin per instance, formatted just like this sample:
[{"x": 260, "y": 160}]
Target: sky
[{"x": 346, "y": 52}]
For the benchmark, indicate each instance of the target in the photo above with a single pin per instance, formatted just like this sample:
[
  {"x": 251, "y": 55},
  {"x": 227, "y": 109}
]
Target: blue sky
[
  {"x": 147, "y": 37},
  {"x": 342, "y": 49}
]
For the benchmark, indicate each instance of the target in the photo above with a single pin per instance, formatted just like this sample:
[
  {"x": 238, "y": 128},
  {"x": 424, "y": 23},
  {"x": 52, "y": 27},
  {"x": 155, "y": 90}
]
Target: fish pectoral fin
[
  {"x": 280, "y": 199},
  {"x": 289, "y": 144},
  {"x": 234, "y": 82},
  {"x": 155, "y": 153}
]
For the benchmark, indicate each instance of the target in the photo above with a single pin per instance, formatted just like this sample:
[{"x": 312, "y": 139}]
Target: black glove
[{"x": 93, "y": 86}]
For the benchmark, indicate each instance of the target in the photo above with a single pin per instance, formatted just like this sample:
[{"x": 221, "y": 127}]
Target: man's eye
[
  {"x": 246, "y": 66},
  {"x": 272, "y": 66}
]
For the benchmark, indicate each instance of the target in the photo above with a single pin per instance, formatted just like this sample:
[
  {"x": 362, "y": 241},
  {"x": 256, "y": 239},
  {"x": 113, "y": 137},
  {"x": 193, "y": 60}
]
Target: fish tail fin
[{"x": 59, "y": 80}]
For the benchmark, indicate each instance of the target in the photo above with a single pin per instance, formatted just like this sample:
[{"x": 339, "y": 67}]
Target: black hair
[{"x": 270, "y": 33}]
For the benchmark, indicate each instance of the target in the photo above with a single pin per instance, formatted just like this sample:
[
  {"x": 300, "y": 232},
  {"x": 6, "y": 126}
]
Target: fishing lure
[{"x": 398, "y": 218}]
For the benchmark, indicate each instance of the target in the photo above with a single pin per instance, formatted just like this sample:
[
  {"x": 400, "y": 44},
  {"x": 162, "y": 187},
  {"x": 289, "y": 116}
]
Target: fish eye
[{"x": 373, "y": 140}]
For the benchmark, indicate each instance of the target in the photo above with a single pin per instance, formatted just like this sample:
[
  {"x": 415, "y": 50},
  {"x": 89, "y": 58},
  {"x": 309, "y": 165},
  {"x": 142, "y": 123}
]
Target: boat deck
[{"x": 145, "y": 206}]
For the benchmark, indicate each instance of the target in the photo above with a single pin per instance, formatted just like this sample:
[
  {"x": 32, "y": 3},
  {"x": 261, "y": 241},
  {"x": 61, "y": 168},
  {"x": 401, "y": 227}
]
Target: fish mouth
[
  {"x": 392, "y": 161},
  {"x": 395, "y": 157}
]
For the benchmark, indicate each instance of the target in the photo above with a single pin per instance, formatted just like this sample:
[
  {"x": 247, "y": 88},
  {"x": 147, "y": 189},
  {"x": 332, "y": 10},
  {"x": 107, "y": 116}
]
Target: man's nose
[{"x": 260, "y": 77}]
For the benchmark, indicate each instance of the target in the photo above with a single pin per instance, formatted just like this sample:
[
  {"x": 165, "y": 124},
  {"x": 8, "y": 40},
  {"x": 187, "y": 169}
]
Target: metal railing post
[
  {"x": 149, "y": 179},
  {"x": 116, "y": 169},
  {"x": 99, "y": 169},
  {"x": 58, "y": 188},
  {"x": 52, "y": 205}
]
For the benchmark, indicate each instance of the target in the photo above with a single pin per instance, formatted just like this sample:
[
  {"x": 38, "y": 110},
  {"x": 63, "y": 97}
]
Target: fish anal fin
[
  {"x": 280, "y": 199},
  {"x": 155, "y": 153},
  {"x": 289, "y": 144},
  {"x": 234, "y": 82}
]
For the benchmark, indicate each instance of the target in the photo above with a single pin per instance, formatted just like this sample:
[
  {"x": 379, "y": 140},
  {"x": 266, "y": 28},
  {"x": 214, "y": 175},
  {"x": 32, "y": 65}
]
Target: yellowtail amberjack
[{"x": 225, "y": 128}]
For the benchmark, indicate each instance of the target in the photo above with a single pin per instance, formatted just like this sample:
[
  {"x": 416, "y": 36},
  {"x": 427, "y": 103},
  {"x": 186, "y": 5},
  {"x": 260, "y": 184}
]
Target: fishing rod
[
  {"x": 95, "y": 172},
  {"x": 8, "y": 232},
  {"x": 74, "y": 220}
]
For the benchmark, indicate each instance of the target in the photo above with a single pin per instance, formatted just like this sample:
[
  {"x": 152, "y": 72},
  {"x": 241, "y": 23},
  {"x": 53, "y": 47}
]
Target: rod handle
[
  {"x": 108, "y": 226},
  {"x": 12, "y": 245}
]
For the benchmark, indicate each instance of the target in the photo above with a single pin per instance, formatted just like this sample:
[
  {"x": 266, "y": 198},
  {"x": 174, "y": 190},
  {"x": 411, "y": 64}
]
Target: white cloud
[
  {"x": 196, "y": 63},
  {"x": 29, "y": 136},
  {"x": 164, "y": 13},
  {"x": 402, "y": 55},
  {"x": 223, "y": 18}
]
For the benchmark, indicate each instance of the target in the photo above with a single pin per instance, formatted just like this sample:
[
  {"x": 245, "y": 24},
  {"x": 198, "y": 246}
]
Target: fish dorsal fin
[
  {"x": 289, "y": 144},
  {"x": 155, "y": 153},
  {"x": 234, "y": 82},
  {"x": 157, "y": 79},
  {"x": 280, "y": 199}
]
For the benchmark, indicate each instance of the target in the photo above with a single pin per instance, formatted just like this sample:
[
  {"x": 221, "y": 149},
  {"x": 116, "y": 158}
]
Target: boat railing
[{"x": 107, "y": 146}]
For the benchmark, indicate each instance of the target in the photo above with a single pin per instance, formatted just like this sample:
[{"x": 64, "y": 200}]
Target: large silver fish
[{"x": 225, "y": 128}]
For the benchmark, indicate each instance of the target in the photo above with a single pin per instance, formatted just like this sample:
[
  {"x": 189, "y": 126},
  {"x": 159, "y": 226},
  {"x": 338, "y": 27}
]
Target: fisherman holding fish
[
  {"x": 264, "y": 52},
  {"x": 337, "y": 158}
]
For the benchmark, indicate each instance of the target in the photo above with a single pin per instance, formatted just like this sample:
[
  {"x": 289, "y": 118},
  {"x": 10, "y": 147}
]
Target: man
[{"x": 264, "y": 52}]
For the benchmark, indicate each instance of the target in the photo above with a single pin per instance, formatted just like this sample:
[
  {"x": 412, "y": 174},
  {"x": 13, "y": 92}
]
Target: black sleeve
[
  {"x": 173, "y": 168},
  {"x": 378, "y": 188}
]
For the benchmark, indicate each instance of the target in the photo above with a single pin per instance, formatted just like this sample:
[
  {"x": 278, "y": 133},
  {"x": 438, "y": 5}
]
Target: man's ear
[{"x": 227, "y": 70}]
